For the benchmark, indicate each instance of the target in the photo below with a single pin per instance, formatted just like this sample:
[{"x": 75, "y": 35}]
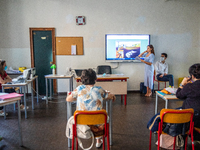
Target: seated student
[
  {"x": 161, "y": 68},
  {"x": 4, "y": 78},
  {"x": 90, "y": 97},
  {"x": 190, "y": 93}
]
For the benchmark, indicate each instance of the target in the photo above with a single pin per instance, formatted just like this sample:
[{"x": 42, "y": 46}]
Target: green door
[{"x": 42, "y": 49}]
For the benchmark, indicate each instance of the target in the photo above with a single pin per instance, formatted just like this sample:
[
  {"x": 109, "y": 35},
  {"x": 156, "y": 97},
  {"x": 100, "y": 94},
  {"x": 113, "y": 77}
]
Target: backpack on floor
[
  {"x": 143, "y": 89},
  {"x": 83, "y": 132}
]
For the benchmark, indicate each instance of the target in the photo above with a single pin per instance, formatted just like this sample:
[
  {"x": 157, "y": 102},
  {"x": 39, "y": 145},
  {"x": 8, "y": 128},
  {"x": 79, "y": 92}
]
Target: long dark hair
[
  {"x": 152, "y": 49},
  {"x": 2, "y": 62},
  {"x": 195, "y": 70}
]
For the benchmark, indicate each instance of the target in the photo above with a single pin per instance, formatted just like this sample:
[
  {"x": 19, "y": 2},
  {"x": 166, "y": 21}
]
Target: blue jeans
[{"x": 168, "y": 77}]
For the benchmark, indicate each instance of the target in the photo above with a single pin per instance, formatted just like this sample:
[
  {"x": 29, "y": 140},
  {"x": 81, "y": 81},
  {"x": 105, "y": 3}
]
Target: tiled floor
[{"x": 45, "y": 127}]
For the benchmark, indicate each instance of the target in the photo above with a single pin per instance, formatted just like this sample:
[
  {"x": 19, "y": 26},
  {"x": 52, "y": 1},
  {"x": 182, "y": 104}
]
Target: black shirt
[{"x": 190, "y": 93}]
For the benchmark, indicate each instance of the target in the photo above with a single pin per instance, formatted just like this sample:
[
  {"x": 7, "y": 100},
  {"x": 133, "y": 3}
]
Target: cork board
[{"x": 63, "y": 45}]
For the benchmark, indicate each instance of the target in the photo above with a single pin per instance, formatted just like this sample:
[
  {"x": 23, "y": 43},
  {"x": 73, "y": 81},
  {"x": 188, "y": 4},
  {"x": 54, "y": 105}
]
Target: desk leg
[
  {"x": 14, "y": 107},
  {"x": 4, "y": 106},
  {"x": 156, "y": 104},
  {"x": 166, "y": 104},
  {"x": 50, "y": 89},
  {"x": 71, "y": 84},
  {"x": 19, "y": 124},
  {"x": 110, "y": 125},
  {"x": 46, "y": 91},
  {"x": 125, "y": 97},
  {"x": 69, "y": 114},
  {"x": 37, "y": 89},
  {"x": 107, "y": 106},
  {"x": 4, "y": 112},
  {"x": 32, "y": 95},
  {"x": 109, "y": 111},
  {"x": 24, "y": 103}
]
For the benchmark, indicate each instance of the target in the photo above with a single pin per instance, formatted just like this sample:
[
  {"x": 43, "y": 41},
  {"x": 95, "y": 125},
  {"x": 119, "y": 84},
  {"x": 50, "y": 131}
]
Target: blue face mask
[{"x": 5, "y": 68}]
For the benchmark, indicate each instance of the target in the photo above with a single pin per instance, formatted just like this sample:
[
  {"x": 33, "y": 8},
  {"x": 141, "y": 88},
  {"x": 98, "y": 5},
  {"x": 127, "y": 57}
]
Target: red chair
[
  {"x": 154, "y": 79},
  {"x": 175, "y": 116},
  {"x": 91, "y": 118}
]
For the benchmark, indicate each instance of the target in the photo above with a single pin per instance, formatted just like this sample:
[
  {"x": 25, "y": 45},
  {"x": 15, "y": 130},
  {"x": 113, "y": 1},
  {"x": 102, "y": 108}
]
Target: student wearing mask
[
  {"x": 161, "y": 68},
  {"x": 4, "y": 78}
]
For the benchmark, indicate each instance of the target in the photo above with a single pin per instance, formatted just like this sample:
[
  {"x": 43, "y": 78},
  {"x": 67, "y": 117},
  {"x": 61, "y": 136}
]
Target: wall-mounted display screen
[{"x": 125, "y": 47}]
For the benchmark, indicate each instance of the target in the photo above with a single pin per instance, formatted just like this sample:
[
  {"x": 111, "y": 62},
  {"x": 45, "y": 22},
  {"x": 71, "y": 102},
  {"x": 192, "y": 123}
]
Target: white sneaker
[
  {"x": 22, "y": 107},
  {"x": 2, "y": 114},
  {"x": 98, "y": 145}
]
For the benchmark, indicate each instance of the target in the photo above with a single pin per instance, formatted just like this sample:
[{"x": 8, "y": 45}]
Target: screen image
[{"x": 125, "y": 47}]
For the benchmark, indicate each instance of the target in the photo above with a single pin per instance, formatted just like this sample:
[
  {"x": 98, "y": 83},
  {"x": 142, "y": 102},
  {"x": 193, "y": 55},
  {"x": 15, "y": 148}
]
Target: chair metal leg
[
  {"x": 76, "y": 143},
  {"x": 73, "y": 143},
  {"x": 186, "y": 142},
  {"x": 108, "y": 138},
  {"x": 159, "y": 136},
  {"x": 192, "y": 138},
  {"x": 150, "y": 140},
  {"x": 174, "y": 143},
  {"x": 104, "y": 142}
]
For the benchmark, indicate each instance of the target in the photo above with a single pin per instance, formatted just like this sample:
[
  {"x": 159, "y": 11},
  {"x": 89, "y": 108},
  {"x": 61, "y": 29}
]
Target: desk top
[
  {"x": 19, "y": 84},
  {"x": 166, "y": 96},
  {"x": 109, "y": 77},
  {"x": 9, "y": 101},
  {"x": 51, "y": 76},
  {"x": 14, "y": 73}
]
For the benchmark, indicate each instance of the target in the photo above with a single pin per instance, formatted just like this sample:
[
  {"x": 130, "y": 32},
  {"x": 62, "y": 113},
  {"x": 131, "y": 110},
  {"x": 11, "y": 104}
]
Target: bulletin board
[{"x": 63, "y": 45}]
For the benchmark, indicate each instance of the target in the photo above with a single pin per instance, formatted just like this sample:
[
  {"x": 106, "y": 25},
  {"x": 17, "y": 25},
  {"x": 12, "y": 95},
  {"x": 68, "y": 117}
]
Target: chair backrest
[
  {"x": 90, "y": 117},
  {"x": 104, "y": 69},
  {"x": 176, "y": 116},
  {"x": 78, "y": 72}
]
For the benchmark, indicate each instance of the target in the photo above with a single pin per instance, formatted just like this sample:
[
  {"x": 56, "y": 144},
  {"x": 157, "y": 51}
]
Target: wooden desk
[
  {"x": 116, "y": 84},
  {"x": 13, "y": 101},
  {"x": 166, "y": 98},
  {"x": 51, "y": 76},
  {"x": 24, "y": 85}
]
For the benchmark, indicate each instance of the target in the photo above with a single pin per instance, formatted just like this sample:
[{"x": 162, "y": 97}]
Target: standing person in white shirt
[{"x": 162, "y": 70}]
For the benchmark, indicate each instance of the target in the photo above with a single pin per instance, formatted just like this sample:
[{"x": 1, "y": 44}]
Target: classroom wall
[{"x": 174, "y": 27}]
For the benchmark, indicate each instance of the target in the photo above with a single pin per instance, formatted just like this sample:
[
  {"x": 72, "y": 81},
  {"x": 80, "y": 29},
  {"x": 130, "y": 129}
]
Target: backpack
[{"x": 83, "y": 132}]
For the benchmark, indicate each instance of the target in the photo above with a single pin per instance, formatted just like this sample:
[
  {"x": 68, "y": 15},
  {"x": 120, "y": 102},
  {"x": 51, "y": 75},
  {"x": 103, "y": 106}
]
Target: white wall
[{"x": 173, "y": 26}]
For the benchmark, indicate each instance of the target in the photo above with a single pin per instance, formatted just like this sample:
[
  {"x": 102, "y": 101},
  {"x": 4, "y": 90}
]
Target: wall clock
[{"x": 80, "y": 20}]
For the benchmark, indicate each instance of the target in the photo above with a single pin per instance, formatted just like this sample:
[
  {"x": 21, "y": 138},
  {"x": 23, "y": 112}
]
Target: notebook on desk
[
  {"x": 11, "y": 95},
  {"x": 19, "y": 79}
]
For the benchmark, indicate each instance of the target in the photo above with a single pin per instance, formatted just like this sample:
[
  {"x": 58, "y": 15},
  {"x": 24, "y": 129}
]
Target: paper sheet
[{"x": 73, "y": 49}]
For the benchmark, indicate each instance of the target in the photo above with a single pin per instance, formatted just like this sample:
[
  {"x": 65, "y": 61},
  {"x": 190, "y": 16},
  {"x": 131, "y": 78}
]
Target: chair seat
[
  {"x": 197, "y": 129},
  {"x": 160, "y": 81}
]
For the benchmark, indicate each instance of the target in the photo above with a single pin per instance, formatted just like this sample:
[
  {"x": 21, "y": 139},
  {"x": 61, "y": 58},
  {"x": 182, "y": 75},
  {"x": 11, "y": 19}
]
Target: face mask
[
  {"x": 5, "y": 68},
  {"x": 162, "y": 58}
]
